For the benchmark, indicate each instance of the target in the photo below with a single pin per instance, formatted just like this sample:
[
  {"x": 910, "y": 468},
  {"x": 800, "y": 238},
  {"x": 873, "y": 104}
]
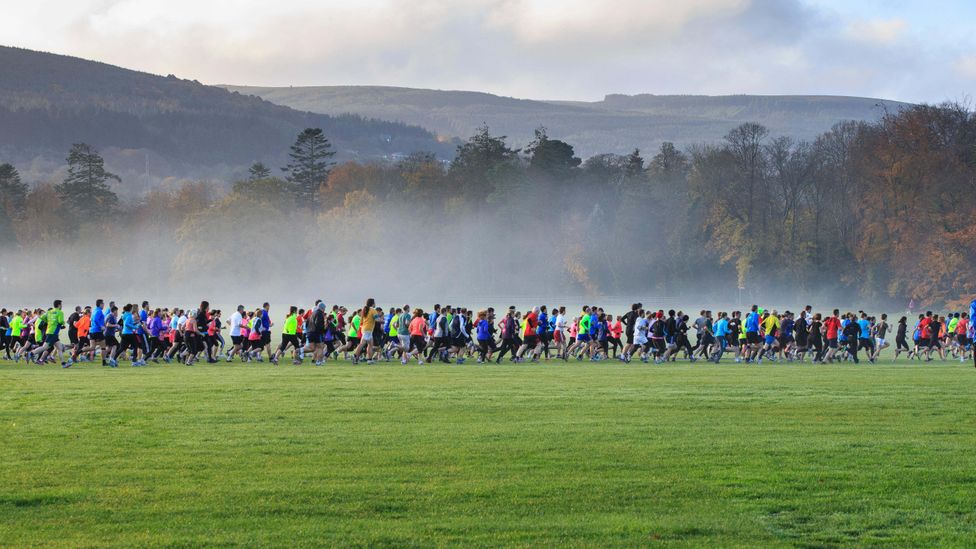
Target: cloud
[
  {"x": 877, "y": 31},
  {"x": 559, "y": 49},
  {"x": 966, "y": 66}
]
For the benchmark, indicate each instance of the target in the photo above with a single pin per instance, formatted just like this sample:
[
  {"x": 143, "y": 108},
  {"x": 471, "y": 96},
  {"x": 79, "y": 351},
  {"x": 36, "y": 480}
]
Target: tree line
[{"x": 872, "y": 212}]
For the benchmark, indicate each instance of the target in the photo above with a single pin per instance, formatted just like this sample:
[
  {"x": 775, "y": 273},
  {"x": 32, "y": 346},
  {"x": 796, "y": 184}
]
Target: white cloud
[
  {"x": 877, "y": 31},
  {"x": 568, "y": 49},
  {"x": 966, "y": 66}
]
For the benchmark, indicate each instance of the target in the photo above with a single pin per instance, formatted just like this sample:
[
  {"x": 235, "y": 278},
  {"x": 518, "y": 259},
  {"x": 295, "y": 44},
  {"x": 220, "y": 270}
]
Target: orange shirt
[
  {"x": 83, "y": 325},
  {"x": 418, "y": 326}
]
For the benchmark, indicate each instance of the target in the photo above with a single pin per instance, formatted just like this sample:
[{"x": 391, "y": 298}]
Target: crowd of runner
[{"x": 450, "y": 334}]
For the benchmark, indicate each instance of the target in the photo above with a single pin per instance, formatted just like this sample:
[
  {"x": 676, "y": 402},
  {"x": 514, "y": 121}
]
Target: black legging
[
  {"x": 129, "y": 341},
  {"x": 508, "y": 345},
  {"x": 483, "y": 349},
  {"x": 418, "y": 343},
  {"x": 901, "y": 343},
  {"x": 818, "y": 348}
]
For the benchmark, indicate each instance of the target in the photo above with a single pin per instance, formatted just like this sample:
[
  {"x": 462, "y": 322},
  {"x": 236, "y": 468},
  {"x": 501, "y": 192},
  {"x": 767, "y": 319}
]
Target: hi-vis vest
[{"x": 393, "y": 325}]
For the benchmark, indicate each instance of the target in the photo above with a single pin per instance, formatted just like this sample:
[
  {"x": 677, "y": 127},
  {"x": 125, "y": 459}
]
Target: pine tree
[
  {"x": 309, "y": 166},
  {"x": 13, "y": 191},
  {"x": 258, "y": 171},
  {"x": 85, "y": 190}
]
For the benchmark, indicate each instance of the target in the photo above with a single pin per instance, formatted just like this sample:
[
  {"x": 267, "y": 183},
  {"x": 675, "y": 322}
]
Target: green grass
[{"x": 560, "y": 454}]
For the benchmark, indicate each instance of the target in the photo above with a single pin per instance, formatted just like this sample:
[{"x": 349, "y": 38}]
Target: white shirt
[{"x": 235, "y": 324}]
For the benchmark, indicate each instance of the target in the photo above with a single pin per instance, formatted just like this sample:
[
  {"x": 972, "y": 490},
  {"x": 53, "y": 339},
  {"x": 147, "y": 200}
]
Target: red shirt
[
  {"x": 832, "y": 323},
  {"x": 923, "y": 328},
  {"x": 531, "y": 323}
]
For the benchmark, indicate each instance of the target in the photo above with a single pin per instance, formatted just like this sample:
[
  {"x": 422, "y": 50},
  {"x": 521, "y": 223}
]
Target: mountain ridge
[{"x": 618, "y": 123}]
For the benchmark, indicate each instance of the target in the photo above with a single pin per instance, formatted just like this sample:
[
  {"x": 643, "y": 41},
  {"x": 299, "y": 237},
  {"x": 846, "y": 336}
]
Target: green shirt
[
  {"x": 584, "y": 324},
  {"x": 291, "y": 325},
  {"x": 55, "y": 320},
  {"x": 354, "y": 327},
  {"x": 16, "y": 326}
]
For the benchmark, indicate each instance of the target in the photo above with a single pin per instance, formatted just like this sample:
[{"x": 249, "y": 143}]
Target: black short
[
  {"x": 96, "y": 336},
  {"x": 266, "y": 337},
  {"x": 630, "y": 338},
  {"x": 236, "y": 340},
  {"x": 459, "y": 342},
  {"x": 935, "y": 343},
  {"x": 289, "y": 339},
  {"x": 531, "y": 341},
  {"x": 752, "y": 338},
  {"x": 353, "y": 341},
  {"x": 110, "y": 341},
  {"x": 832, "y": 342}
]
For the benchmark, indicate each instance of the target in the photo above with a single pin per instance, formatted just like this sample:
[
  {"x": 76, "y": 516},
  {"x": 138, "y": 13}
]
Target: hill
[
  {"x": 617, "y": 124},
  {"x": 180, "y": 127}
]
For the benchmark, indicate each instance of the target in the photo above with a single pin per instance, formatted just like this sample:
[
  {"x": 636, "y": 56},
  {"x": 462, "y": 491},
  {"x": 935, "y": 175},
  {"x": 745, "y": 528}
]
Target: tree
[
  {"x": 85, "y": 190},
  {"x": 551, "y": 157},
  {"x": 309, "y": 166},
  {"x": 423, "y": 180},
  {"x": 13, "y": 192},
  {"x": 634, "y": 166},
  {"x": 475, "y": 161},
  {"x": 258, "y": 171},
  {"x": 669, "y": 163}
]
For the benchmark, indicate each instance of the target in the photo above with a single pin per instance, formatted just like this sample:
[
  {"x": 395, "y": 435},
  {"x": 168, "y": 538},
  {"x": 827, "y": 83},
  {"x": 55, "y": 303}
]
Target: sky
[{"x": 918, "y": 51}]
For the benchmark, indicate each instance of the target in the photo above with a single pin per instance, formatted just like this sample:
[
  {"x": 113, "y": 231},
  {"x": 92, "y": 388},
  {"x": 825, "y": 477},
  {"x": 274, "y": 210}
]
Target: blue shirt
[
  {"x": 110, "y": 319},
  {"x": 840, "y": 333},
  {"x": 752, "y": 322},
  {"x": 484, "y": 330},
  {"x": 865, "y": 328},
  {"x": 143, "y": 316},
  {"x": 97, "y": 321},
  {"x": 786, "y": 328},
  {"x": 265, "y": 320},
  {"x": 543, "y": 324},
  {"x": 594, "y": 320},
  {"x": 128, "y": 324},
  {"x": 721, "y": 328}
]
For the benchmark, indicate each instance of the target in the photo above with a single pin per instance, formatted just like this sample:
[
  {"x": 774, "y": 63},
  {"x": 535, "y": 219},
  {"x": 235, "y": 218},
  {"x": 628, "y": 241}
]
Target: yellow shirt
[
  {"x": 369, "y": 321},
  {"x": 771, "y": 325}
]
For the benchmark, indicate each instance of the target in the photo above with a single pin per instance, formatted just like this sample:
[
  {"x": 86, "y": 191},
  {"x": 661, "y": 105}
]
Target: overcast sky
[{"x": 548, "y": 49}]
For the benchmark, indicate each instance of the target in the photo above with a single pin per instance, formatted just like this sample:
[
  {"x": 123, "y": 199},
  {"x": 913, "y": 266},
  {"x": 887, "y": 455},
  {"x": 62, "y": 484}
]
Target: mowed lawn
[{"x": 555, "y": 454}]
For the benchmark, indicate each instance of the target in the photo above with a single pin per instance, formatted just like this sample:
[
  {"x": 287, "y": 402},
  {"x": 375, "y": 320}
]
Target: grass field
[{"x": 560, "y": 454}]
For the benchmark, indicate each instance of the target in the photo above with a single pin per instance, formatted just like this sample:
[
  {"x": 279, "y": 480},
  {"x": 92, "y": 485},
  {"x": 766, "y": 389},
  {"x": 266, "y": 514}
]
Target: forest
[{"x": 869, "y": 213}]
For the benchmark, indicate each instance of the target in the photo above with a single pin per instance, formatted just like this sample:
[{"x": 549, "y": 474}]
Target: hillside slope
[{"x": 48, "y": 102}]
